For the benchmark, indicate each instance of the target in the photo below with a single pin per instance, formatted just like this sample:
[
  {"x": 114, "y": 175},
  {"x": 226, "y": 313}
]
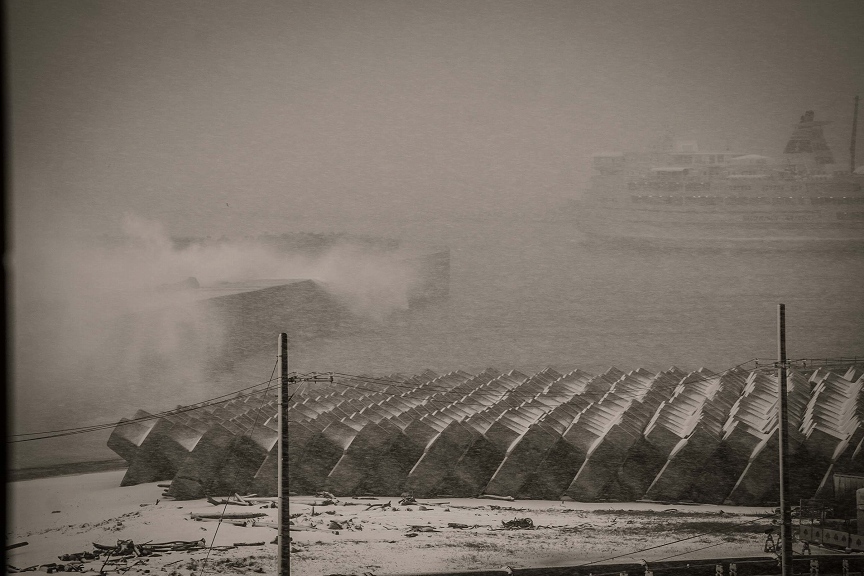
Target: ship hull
[{"x": 780, "y": 227}]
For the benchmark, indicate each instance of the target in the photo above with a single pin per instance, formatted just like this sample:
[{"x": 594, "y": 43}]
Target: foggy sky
[
  {"x": 362, "y": 112},
  {"x": 396, "y": 118}
]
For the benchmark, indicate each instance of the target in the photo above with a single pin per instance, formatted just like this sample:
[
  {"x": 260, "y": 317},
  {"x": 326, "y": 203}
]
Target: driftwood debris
[
  {"x": 243, "y": 523},
  {"x": 50, "y": 568},
  {"x": 129, "y": 548},
  {"x": 385, "y": 505},
  {"x": 226, "y": 515},
  {"x": 116, "y": 555},
  {"x": 79, "y": 556},
  {"x": 248, "y": 543},
  {"x": 348, "y": 524},
  {"x": 226, "y": 501},
  {"x": 494, "y": 497},
  {"x": 518, "y": 524}
]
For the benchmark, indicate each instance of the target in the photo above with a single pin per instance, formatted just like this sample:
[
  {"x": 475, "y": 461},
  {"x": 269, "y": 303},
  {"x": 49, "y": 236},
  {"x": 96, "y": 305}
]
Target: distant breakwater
[
  {"x": 65, "y": 469},
  {"x": 670, "y": 436}
]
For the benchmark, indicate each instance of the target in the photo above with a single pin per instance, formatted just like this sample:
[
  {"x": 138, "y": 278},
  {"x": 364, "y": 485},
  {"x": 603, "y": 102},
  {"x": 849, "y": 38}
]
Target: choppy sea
[{"x": 527, "y": 294}]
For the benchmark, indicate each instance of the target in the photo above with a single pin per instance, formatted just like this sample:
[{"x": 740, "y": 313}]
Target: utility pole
[
  {"x": 854, "y": 132},
  {"x": 785, "y": 516},
  {"x": 283, "y": 539}
]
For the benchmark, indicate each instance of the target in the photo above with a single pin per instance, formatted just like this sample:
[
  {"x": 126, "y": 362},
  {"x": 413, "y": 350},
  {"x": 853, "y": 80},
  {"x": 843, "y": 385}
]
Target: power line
[
  {"x": 511, "y": 397},
  {"x": 507, "y": 400},
  {"x": 507, "y": 397},
  {"x": 510, "y": 400},
  {"x": 227, "y": 456},
  {"x": 709, "y": 533},
  {"x": 109, "y": 425},
  {"x": 766, "y": 363},
  {"x": 403, "y": 383},
  {"x": 503, "y": 396},
  {"x": 508, "y": 393},
  {"x": 690, "y": 551},
  {"x": 237, "y": 394},
  {"x": 812, "y": 363},
  {"x": 618, "y": 380}
]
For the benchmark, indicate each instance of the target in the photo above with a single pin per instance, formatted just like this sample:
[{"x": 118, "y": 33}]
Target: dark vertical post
[
  {"x": 854, "y": 133},
  {"x": 283, "y": 542},
  {"x": 785, "y": 516}
]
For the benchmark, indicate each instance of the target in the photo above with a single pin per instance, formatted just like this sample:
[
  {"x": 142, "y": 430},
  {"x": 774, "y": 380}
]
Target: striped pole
[
  {"x": 785, "y": 516},
  {"x": 283, "y": 539}
]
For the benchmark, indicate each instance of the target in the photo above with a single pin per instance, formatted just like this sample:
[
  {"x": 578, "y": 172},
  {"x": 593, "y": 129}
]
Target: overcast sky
[
  {"x": 219, "y": 115},
  {"x": 213, "y": 117}
]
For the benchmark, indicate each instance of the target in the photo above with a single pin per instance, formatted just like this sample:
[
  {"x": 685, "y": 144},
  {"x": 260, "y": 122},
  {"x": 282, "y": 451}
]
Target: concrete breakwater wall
[{"x": 670, "y": 436}]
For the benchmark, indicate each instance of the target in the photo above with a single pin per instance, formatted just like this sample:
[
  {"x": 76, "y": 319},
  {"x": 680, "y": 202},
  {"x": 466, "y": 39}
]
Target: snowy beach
[{"x": 68, "y": 514}]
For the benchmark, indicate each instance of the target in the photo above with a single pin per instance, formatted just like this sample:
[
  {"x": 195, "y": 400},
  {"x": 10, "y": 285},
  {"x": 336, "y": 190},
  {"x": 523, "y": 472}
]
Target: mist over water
[
  {"x": 528, "y": 294},
  {"x": 105, "y": 323},
  {"x": 454, "y": 123},
  {"x": 525, "y": 294}
]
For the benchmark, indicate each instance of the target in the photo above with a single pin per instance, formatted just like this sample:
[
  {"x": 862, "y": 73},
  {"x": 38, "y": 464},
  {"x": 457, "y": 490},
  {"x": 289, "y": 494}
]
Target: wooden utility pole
[
  {"x": 785, "y": 516},
  {"x": 283, "y": 539},
  {"x": 854, "y": 132}
]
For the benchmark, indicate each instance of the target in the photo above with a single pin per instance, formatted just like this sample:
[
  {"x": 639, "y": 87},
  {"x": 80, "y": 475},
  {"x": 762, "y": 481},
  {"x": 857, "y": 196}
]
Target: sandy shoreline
[
  {"x": 67, "y": 514},
  {"x": 67, "y": 469}
]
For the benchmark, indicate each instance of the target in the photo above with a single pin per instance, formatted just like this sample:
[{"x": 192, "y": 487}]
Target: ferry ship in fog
[{"x": 681, "y": 195}]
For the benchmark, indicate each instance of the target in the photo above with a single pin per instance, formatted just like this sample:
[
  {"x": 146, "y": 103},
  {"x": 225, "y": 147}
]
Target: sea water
[{"x": 526, "y": 294}]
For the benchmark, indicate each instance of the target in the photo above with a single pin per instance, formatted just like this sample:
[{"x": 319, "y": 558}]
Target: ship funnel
[{"x": 807, "y": 144}]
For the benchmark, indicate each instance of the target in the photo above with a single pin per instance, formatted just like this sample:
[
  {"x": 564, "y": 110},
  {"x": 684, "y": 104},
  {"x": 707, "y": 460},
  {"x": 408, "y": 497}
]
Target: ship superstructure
[{"x": 682, "y": 193}]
